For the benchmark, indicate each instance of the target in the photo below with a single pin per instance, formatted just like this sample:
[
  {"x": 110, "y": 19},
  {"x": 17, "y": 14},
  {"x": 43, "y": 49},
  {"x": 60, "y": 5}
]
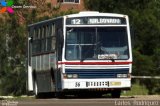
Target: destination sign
[
  {"x": 96, "y": 21},
  {"x": 104, "y": 21}
]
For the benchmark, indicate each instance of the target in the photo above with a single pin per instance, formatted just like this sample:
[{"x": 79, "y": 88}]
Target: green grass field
[{"x": 136, "y": 89}]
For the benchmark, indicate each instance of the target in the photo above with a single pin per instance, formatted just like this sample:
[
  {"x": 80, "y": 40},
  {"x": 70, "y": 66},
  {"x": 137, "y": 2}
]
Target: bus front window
[
  {"x": 102, "y": 43},
  {"x": 80, "y": 43},
  {"x": 113, "y": 43}
]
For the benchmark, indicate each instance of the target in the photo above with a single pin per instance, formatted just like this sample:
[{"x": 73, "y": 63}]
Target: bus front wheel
[
  {"x": 60, "y": 95},
  {"x": 116, "y": 93}
]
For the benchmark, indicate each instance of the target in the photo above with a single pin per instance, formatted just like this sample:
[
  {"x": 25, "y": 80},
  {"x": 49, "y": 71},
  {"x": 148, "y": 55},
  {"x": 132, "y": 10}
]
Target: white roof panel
[{"x": 95, "y": 13}]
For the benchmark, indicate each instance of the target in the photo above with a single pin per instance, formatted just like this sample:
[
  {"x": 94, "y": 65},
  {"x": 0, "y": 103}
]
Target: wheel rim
[{"x": 36, "y": 89}]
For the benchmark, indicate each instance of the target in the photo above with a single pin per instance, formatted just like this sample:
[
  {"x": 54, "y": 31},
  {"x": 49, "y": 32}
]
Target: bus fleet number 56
[{"x": 77, "y": 84}]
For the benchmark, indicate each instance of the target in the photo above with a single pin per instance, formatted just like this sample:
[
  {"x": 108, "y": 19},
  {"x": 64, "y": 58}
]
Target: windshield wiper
[
  {"x": 83, "y": 56},
  {"x": 112, "y": 59}
]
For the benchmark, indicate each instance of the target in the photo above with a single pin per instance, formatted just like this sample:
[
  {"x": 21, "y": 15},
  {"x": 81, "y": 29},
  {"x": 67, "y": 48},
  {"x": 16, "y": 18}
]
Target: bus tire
[
  {"x": 60, "y": 95},
  {"x": 116, "y": 93},
  {"x": 37, "y": 95}
]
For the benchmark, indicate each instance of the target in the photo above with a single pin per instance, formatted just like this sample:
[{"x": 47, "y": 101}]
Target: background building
[{"x": 65, "y": 5}]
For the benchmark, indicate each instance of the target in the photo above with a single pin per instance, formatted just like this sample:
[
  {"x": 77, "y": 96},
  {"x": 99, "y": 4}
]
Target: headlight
[
  {"x": 122, "y": 75},
  {"x": 75, "y": 75},
  {"x": 70, "y": 76}
]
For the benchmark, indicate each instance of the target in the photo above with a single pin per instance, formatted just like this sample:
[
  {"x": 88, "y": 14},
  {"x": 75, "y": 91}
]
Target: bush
[{"x": 14, "y": 82}]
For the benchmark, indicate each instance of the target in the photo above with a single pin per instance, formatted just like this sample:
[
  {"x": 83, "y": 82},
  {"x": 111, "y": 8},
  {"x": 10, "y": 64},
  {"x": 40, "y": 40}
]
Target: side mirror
[{"x": 30, "y": 39}]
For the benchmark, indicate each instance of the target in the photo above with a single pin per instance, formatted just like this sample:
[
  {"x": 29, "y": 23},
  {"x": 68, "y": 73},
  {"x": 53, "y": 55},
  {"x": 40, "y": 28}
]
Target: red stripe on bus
[{"x": 95, "y": 63}]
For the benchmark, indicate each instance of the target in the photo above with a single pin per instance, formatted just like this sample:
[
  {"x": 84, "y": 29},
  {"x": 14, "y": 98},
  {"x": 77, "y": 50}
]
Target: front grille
[{"x": 97, "y": 73}]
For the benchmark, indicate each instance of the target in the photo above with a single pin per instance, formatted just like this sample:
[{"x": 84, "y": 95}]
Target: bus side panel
[
  {"x": 43, "y": 61},
  {"x": 44, "y": 81},
  {"x": 46, "y": 78}
]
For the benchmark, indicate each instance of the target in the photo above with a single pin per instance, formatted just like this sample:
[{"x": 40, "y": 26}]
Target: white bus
[{"x": 83, "y": 52}]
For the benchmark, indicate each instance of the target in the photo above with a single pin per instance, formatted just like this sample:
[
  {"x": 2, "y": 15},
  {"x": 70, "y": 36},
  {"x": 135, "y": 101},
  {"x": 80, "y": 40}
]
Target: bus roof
[
  {"x": 82, "y": 14},
  {"x": 95, "y": 13}
]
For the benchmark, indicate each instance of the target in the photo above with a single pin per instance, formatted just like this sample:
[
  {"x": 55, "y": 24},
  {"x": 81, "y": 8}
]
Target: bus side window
[
  {"x": 50, "y": 37},
  {"x": 53, "y": 43},
  {"x": 53, "y": 37},
  {"x": 52, "y": 30},
  {"x": 60, "y": 42},
  {"x": 43, "y": 41},
  {"x": 32, "y": 41},
  {"x": 36, "y": 41}
]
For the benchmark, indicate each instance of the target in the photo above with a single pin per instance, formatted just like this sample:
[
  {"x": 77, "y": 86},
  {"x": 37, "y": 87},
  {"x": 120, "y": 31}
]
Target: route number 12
[{"x": 76, "y": 21}]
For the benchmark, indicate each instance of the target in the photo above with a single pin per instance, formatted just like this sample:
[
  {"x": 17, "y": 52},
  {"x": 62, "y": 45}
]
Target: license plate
[{"x": 97, "y": 84}]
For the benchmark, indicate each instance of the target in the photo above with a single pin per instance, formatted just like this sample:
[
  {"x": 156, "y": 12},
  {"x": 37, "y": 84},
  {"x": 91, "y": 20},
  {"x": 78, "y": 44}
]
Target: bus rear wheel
[
  {"x": 37, "y": 94},
  {"x": 116, "y": 93}
]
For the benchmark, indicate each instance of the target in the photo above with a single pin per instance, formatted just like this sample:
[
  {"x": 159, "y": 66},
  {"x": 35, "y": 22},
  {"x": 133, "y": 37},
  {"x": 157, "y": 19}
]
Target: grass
[
  {"x": 19, "y": 98},
  {"x": 136, "y": 89}
]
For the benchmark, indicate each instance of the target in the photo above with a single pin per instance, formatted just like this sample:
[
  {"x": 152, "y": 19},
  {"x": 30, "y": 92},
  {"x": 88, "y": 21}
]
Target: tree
[{"x": 12, "y": 73}]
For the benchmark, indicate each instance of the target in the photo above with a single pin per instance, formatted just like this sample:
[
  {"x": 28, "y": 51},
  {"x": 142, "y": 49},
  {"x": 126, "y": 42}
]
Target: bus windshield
[{"x": 96, "y": 43}]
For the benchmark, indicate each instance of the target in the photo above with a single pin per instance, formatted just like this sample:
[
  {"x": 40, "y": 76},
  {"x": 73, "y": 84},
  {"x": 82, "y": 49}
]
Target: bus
[{"x": 84, "y": 52}]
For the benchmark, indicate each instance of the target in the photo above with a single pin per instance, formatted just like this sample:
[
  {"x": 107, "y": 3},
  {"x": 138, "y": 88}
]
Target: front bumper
[{"x": 96, "y": 83}]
